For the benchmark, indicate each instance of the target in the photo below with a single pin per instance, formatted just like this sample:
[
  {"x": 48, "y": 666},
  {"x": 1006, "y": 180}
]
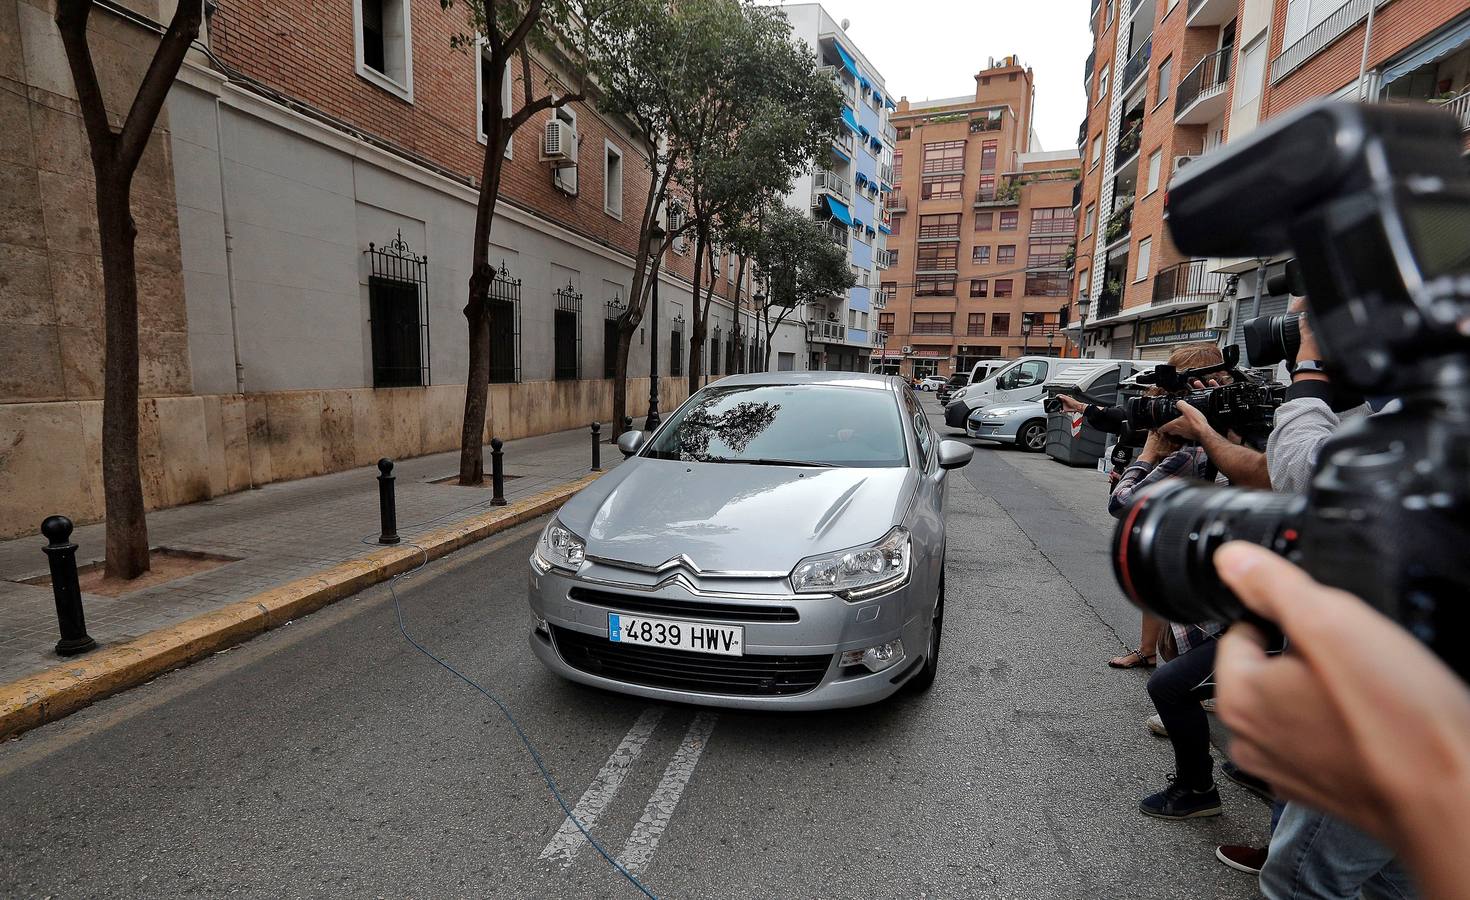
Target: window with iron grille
[
  {"x": 1048, "y": 286},
  {"x": 567, "y": 334},
  {"x": 1004, "y": 287},
  {"x": 933, "y": 323},
  {"x": 615, "y": 308},
  {"x": 984, "y": 221},
  {"x": 978, "y": 287},
  {"x": 988, "y": 152},
  {"x": 943, "y": 187},
  {"x": 939, "y": 226},
  {"x": 1008, "y": 220},
  {"x": 980, "y": 254},
  {"x": 504, "y": 310},
  {"x": 398, "y": 314},
  {"x": 1000, "y": 324},
  {"x": 934, "y": 286},
  {"x": 714, "y": 352},
  {"x": 676, "y": 352},
  {"x": 1005, "y": 253},
  {"x": 938, "y": 257},
  {"x": 944, "y": 156},
  {"x": 976, "y": 324}
]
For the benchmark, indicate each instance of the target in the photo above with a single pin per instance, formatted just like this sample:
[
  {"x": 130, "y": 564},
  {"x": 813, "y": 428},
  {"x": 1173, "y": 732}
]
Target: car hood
[{"x": 732, "y": 517}]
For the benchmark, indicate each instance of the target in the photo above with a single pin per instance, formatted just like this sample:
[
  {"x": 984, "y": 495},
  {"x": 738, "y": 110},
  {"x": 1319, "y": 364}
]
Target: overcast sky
[{"x": 928, "y": 49}]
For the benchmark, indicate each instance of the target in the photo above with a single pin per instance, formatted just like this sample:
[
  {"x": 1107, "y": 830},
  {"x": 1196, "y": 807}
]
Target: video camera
[
  {"x": 1375, "y": 202},
  {"x": 1245, "y": 405},
  {"x": 1273, "y": 339}
]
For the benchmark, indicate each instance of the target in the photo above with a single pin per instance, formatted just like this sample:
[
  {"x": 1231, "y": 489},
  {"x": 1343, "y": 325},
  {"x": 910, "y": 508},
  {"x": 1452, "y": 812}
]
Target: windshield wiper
[{"x": 785, "y": 462}]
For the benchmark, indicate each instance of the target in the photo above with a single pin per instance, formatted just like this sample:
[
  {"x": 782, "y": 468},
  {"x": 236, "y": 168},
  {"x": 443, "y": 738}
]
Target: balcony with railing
[
  {"x": 1459, "y": 107},
  {"x": 845, "y": 142},
  {"x": 849, "y": 90},
  {"x": 878, "y": 338},
  {"x": 1189, "y": 280},
  {"x": 1326, "y": 33},
  {"x": 1137, "y": 65},
  {"x": 1128, "y": 144},
  {"x": 1110, "y": 302},
  {"x": 1208, "y": 13},
  {"x": 831, "y": 183},
  {"x": 881, "y": 298},
  {"x": 1087, "y": 71},
  {"x": 885, "y": 173},
  {"x": 838, "y": 234},
  {"x": 890, "y": 133},
  {"x": 1006, "y": 192},
  {"x": 826, "y": 332},
  {"x": 885, "y": 259},
  {"x": 896, "y": 203},
  {"x": 1120, "y": 223},
  {"x": 1201, "y": 94},
  {"x": 947, "y": 231}
]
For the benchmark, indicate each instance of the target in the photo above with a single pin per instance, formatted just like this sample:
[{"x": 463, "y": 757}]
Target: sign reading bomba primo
[{"x": 1191, "y": 326}]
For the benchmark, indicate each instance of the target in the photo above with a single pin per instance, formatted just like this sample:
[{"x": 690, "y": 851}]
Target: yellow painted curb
[{"x": 61, "y": 690}]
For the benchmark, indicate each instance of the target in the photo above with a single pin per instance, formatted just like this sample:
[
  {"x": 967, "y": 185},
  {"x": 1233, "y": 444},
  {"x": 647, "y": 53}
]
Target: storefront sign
[{"x": 1190, "y": 326}]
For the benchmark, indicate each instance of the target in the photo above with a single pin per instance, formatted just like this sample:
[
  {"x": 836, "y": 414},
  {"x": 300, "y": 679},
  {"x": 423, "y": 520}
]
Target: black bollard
[
  {"x": 497, "y": 472},
  {"x": 627, "y": 423},
  {"x": 597, "y": 446},
  {"x": 387, "y": 507},
  {"x": 61, "y": 553}
]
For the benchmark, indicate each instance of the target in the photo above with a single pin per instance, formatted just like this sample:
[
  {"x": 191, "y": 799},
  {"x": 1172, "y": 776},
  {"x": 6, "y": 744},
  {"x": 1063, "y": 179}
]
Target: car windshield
[{"x": 786, "y": 424}]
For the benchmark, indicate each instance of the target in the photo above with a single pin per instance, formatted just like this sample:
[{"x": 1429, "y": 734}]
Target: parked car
[
  {"x": 955, "y": 382},
  {"x": 931, "y": 383},
  {"x": 1022, "y": 424},
  {"x": 1019, "y": 381},
  {"x": 777, "y": 543}
]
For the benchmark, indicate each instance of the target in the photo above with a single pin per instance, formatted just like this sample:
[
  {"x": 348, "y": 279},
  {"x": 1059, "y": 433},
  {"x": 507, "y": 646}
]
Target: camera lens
[
  {"x": 1148, "y": 413},
  {"x": 1272, "y": 339},
  {"x": 1164, "y": 547}
]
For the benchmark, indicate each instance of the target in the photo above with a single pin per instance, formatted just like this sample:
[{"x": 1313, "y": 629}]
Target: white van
[{"x": 1017, "y": 380}]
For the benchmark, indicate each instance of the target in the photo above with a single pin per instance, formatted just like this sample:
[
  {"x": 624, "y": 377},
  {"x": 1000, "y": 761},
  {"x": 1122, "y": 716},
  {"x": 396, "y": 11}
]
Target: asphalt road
[{"x": 331, "y": 758}]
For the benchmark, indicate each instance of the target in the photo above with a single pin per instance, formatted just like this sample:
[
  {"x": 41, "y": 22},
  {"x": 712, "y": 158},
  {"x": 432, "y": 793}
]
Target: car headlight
[
  {"x": 558, "y": 548},
  {"x": 857, "y": 573}
]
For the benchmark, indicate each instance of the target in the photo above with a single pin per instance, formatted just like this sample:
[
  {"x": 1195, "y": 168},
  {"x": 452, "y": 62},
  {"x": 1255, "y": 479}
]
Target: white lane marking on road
[
  {"x": 568, "y": 839},
  {"x": 638, "y": 852}
]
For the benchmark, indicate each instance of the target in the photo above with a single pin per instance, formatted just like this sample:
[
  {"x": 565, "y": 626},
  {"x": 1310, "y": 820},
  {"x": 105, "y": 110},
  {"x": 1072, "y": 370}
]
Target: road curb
[{"x": 64, "y": 689}]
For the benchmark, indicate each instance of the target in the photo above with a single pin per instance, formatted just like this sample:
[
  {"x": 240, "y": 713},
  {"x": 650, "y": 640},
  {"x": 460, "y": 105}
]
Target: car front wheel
[
  {"x": 1032, "y": 436},
  {"x": 925, "y": 679}
]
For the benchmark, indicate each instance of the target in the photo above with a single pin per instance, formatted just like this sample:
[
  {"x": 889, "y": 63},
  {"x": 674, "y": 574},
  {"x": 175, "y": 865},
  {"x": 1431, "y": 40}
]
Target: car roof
[{"x": 842, "y": 379}]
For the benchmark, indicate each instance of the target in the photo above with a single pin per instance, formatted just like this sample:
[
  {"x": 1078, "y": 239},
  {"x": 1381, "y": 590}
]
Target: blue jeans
[{"x": 1316, "y": 857}]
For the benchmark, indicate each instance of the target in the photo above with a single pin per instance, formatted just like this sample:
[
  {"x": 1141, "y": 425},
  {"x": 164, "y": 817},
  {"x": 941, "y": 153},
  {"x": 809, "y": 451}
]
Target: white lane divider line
[
  {"x": 642, "y": 843},
  {"x": 568, "y": 839}
]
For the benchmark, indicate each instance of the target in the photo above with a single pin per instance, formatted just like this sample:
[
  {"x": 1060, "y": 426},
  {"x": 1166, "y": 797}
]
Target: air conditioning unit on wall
[
  {"x": 559, "y": 144},
  {"x": 1182, "y": 161},
  {"x": 1217, "y": 315}
]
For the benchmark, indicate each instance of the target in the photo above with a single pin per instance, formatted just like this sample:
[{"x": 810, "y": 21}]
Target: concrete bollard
[
  {"x": 61, "y": 555},
  {"x": 497, "y": 472},
  {"x": 387, "y": 505}
]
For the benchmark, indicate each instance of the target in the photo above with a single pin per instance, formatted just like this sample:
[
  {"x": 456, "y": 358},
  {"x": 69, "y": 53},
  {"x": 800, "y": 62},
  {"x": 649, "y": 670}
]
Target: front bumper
[
  {"x": 1004, "y": 433},
  {"x": 956, "y": 414},
  {"x": 576, "y": 612}
]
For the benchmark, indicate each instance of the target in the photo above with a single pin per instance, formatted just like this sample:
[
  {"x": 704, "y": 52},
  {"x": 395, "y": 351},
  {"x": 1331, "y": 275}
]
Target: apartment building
[
  {"x": 846, "y": 192},
  {"x": 1171, "y": 80},
  {"x": 305, "y": 219},
  {"x": 982, "y": 231}
]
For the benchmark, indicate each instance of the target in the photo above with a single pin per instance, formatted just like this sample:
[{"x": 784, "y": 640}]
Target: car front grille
[
  {"x": 705, "y": 673},
  {"x": 703, "y": 609}
]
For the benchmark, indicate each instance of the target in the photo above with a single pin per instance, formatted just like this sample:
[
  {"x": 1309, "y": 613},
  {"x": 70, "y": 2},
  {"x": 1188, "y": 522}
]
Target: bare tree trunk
[
  {"x": 696, "y": 328},
  {"x": 477, "y": 306},
  {"x": 122, "y": 484}
]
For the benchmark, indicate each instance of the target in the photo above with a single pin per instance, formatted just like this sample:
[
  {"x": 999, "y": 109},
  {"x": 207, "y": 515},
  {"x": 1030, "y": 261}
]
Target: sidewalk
[{"x": 277, "y": 533}]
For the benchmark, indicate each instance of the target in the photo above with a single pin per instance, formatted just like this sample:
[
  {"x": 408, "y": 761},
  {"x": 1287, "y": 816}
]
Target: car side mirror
[
  {"x": 630, "y": 442},
  {"x": 954, "y": 455}
]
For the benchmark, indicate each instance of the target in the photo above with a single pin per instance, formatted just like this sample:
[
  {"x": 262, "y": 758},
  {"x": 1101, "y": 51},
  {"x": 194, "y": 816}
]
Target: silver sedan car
[
  {"x": 1022, "y": 423},
  {"x": 777, "y": 543}
]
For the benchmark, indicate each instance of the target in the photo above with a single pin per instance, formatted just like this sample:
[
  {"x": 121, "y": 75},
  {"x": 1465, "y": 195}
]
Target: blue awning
[
  {"x": 864, "y": 82},
  {"x": 857, "y": 223},
  {"x": 848, "y": 118},
  {"x": 885, "y": 229},
  {"x": 861, "y": 178},
  {"x": 863, "y": 130},
  {"x": 839, "y": 211},
  {"x": 840, "y": 153},
  {"x": 847, "y": 62},
  {"x": 888, "y": 101}
]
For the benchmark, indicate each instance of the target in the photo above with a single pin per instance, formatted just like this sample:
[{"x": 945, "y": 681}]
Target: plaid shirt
[{"x": 1190, "y": 462}]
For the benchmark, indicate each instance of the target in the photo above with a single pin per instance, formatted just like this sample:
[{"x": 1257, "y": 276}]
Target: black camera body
[
  {"x": 1245, "y": 407},
  {"x": 1375, "y": 201}
]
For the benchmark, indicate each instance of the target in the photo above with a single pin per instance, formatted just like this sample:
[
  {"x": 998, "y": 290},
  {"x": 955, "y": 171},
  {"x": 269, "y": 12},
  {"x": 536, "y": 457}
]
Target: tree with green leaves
[
  {"x": 116, "y": 153},
  {"x": 507, "y": 33},
  {"x": 799, "y": 265}
]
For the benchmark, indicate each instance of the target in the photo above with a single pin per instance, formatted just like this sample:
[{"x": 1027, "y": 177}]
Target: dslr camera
[
  {"x": 1246, "y": 405},
  {"x": 1375, "y": 203},
  {"x": 1275, "y": 339}
]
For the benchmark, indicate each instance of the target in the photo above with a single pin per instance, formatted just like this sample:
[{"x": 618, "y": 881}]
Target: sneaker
[
  {"x": 1242, "y": 859},
  {"x": 1180, "y": 802},
  {"x": 1255, "y": 785},
  {"x": 1155, "y": 724}
]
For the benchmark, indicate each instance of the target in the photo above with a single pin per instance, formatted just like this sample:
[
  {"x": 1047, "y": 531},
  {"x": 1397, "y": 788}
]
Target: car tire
[
  {"x": 925, "y": 678},
  {"x": 1032, "y": 436}
]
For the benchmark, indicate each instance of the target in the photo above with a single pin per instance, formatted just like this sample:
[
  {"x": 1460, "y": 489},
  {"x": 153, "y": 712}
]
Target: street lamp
[
  {"x": 1025, "y": 333},
  {"x": 758, "y": 301},
  {"x": 1082, "y": 304},
  {"x": 656, "y": 236}
]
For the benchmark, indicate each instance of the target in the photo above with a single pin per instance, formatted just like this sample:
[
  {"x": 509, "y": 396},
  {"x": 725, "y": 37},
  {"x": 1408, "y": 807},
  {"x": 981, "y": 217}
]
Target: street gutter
[{"x": 64, "y": 689}]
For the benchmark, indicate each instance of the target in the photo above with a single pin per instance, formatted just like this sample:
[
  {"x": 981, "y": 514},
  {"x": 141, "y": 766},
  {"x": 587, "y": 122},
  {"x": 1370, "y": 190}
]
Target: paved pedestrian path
[{"x": 275, "y": 534}]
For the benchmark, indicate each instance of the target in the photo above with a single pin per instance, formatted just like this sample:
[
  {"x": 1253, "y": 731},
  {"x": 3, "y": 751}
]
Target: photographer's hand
[
  {"x": 1072, "y": 404},
  {"x": 1308, "y": 348},
  {"x": 1242, "y": 465},
  {"x": 1385, "y": 746}
]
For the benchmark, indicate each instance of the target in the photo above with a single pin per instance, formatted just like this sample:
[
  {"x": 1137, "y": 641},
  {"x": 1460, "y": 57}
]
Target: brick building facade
[{"x": 982, "y": 227}]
